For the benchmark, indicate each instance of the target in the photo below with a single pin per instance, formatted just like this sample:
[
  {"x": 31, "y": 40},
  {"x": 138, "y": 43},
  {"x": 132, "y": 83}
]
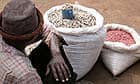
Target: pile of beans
[
  {"x": 81, "y": 18},
  {"x": 117, "y": 35}
]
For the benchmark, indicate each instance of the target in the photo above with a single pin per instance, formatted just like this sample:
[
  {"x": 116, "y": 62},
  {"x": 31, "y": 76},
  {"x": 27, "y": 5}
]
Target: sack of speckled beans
[
  {"x": 82, "y": 29},
  {"x": 121, "y": 48}
]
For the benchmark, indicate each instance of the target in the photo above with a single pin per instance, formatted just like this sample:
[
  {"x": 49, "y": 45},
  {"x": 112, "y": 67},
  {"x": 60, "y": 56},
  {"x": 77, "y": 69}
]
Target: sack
[
  {"x": 117, "y": 56},
  {"x": 84, "y": 44}
]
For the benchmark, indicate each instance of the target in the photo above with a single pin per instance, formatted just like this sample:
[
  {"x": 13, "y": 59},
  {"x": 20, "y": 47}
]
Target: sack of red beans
[{"x": 121, "y": 48}]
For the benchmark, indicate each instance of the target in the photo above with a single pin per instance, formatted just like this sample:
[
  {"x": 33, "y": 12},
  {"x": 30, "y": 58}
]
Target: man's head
[{"x": 20, "y": 20}]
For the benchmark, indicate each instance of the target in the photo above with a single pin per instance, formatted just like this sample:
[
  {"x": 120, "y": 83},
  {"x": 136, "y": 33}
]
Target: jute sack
[
  {"x": 84, "y": 44},
  {"x": 117, "y": 56}
]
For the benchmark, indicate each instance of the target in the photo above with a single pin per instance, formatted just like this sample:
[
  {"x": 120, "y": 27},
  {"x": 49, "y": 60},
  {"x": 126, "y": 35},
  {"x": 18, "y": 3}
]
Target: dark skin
[{"x": 57, "y": 64}]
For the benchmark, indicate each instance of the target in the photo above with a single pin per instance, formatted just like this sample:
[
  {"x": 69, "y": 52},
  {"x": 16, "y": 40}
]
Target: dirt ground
[{"x": 114, "y": 11}]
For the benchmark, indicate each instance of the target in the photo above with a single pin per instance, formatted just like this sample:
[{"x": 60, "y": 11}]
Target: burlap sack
[
  {"x": 117, "y": 56},
  {"x": 84, "y": 44}
]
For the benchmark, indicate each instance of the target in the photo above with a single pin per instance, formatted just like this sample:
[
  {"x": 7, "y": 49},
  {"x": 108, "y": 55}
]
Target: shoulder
[
  {"x": 20, "y": 65},
  {"x": 4, "y": 71},
  {"x": 30, "y": 77},
  {"x": 14, "y": 65},
  {"x": 18, "y": 69},
  {"x": 27, "y": 77}
]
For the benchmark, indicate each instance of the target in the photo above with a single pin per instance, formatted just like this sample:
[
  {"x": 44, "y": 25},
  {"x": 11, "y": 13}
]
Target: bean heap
[
  {"x": 117, "y": 35},
  {"x": 81, "y": 18}
]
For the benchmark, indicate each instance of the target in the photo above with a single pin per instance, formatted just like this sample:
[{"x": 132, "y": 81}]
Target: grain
[{"x": 81, "y": 18}]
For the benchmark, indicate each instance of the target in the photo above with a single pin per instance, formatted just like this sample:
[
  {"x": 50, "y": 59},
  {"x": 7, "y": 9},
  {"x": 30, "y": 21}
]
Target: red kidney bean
[{"x": 118, "y": 35}]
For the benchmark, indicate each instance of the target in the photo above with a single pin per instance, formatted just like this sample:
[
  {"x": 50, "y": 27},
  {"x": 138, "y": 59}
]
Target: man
[{"x": 21, "y": 24}]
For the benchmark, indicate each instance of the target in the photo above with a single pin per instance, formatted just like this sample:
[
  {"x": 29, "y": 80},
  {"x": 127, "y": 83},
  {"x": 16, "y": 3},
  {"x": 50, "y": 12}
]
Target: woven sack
[
  {"x": 84, "y": 44},
  {"x": 117, "y": 56}
]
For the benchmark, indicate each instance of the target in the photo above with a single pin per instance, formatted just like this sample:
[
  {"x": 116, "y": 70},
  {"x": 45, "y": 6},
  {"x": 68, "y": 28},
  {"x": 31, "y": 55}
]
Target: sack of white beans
[
  {"x": 121, "y": 48},
  {"x": 84, "y": 35}
]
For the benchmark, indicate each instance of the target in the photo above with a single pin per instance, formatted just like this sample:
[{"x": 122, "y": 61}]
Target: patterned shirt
[{"x": 15, "y": 66}]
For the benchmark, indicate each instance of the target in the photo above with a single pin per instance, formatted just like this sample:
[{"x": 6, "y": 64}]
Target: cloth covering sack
[
  {"x": 84, "y": 44},
  {"x": 117, "y": 56}
]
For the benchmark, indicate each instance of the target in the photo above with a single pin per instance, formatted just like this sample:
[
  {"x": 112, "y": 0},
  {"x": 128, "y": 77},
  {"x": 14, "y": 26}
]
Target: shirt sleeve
[{"x": 30, "y": 78}]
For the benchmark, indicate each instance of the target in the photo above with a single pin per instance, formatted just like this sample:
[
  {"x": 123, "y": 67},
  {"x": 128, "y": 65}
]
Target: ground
[{"x": 114, "y": 11}]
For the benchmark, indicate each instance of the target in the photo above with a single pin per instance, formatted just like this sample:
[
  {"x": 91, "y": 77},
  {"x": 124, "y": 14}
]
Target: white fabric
[
  {"x": 84, "y": 44},
  {"x": 117, "y": 56},
  {"x": 31, "y": 47}
]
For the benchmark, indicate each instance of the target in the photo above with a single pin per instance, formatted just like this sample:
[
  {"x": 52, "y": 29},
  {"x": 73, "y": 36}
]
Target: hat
[{"x": 20, "y": 19}]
